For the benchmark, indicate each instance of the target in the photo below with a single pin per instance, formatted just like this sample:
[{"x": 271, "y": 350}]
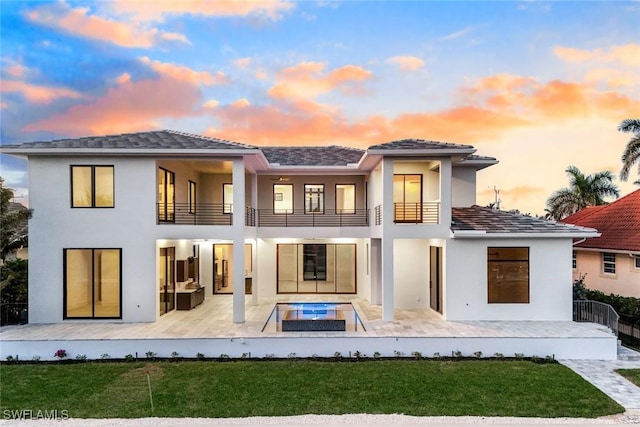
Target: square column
[
  {"x": 445, "y": 192},
  {"x": 254, "y": 246},
  {"x": 238, "y": 240},
  {"x": 387, "y": 240}
]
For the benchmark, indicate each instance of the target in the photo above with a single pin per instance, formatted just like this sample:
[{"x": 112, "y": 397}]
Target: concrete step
[{"x": 625, "y": 353}]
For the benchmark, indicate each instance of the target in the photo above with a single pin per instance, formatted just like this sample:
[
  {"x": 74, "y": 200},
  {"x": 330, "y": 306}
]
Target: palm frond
[
  {"x": 629, "y": 125},
  {"x": 630, "y": 156}
]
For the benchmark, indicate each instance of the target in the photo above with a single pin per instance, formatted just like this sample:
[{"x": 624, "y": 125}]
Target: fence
[{"x": 596, "y": 312}]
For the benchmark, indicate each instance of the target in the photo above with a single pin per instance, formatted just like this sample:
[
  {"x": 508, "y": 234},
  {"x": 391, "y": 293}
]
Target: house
[
  {"x": 129, "y": 227},
  {"x": 610, "y": 262}
]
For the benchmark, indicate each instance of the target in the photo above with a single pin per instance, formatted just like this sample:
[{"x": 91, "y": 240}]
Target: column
[
  {"x": 387, "y": 239},
  {"x": 238, "y": 239}
]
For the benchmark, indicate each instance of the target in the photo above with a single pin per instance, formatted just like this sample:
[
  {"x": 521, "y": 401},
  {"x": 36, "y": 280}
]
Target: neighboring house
[
  {"x": 610, "y": 262},
  {"x": 124, "y": 224},
  {"x": 21, "y": 246}
]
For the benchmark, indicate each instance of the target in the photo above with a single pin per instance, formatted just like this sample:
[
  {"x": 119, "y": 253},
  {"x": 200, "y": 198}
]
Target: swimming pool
[{"x": 313, "y": 317}]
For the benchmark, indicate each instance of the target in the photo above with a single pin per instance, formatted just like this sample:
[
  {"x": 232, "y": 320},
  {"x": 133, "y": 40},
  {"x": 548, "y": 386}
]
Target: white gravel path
[{"x": 331, "y": 420}]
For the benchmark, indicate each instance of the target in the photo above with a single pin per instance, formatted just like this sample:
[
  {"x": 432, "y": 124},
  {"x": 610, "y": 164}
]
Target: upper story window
[
  {"x": 574, "y": 260},
  {"x": 608, "y": 263},
  {"x": 166, "y": 195},
  {"x": 313, "y": 198},
  {"x": 508, "y": 275},
  {"x": 191, "y": 197},
  {"x": 227, "y": 198},
  {"x": 407, "y": 198},
  {"x": 346, "y": 198},
  {"x": 283, "y": 198},
  {"x": 92, "y": 186}
]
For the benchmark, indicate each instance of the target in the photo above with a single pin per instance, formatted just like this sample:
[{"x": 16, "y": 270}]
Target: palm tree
[
  {"x": 632, "y": 151},
  {"x": 583, "y": 191}
]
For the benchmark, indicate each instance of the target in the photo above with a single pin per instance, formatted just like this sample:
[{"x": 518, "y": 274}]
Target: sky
[{"x": 538, "y": 85}]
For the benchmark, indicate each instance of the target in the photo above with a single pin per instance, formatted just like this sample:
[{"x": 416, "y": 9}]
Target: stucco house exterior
[
  {"x": 124, "y": 224},
  {"x": 611, "y": 262}
]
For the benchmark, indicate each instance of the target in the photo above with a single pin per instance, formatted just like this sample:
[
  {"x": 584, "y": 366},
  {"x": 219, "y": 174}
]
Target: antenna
[{"x": 497, "y": 201}]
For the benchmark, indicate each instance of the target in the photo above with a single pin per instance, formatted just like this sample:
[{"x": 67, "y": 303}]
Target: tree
[
  {"x": 583, "y": 191},
  {"x": 13, "y": 232},
  {"x": 631, "y": 153}
]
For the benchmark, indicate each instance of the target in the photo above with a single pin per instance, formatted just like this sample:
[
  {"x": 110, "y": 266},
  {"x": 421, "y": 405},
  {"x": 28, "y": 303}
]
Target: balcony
[
  {"x": 298, "y": 218},
  {"x": 200, "y": 214},
  {"x": 412, "y": 213}
]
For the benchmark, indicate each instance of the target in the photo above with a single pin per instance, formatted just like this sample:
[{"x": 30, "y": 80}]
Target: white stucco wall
[
  {"x": 56, "y": 226},
  {"x": 463, "y": 186},
  {"x": 550, "y": 286},
  {"x": 411, "y": 274},
  {"x": 625, "y": 282}
]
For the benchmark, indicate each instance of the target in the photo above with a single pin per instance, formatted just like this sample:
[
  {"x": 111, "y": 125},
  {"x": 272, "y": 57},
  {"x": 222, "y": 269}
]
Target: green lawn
[
  {"x": 632, "y": 375},
  {"x": 293, "y": 387}
]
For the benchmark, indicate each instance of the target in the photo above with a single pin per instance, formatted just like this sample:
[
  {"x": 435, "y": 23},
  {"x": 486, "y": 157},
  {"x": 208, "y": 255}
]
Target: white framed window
[
  {"x": 227, "y": 198},
  {"x": 574, "y": 260},
  {"x": 608, "y": 263}
]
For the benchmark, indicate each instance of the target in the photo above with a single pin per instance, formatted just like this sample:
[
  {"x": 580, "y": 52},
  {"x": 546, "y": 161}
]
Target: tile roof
[
  {"x": 478, "y": 218},
  {"x": 619, "y": 223},
  {"x": 418, "y": 144},
  {"x": 161, "y": 139},
  {"x": 312, "y": 156}
]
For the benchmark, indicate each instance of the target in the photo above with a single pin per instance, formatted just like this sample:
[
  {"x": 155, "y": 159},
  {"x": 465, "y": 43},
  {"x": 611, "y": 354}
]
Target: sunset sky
[{"x": 538, "y": 85}]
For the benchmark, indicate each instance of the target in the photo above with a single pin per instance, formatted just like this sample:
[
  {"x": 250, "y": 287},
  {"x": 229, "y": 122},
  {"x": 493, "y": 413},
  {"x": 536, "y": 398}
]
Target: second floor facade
[{"x": 160, "y": 179}]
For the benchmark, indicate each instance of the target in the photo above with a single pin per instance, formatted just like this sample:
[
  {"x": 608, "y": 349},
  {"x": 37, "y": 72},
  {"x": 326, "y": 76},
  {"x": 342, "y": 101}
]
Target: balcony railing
[
  {"x": 298, "y": 218},
  {"x": 200, "y": 214},
  {"x": 416, "y": 213},
  {"x": 596, "y": 312}
]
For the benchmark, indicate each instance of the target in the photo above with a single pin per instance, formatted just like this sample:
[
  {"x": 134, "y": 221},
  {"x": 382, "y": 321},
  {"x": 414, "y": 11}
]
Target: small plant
[
  {"x": 436, "y": 355},
  {"x": 358, "y": 356},
  {"x": 457, "y": 353},
  {"x": 150, "y": 355},
  {"x": 175, "y": 355},
  {"x": 105, "y": 356},
  {"x": 199, "y": 356},
  {"x": 35, "y": 358},
  {"x": 338, "y": 356},
  {"x": 535, "y": 358},
  {"x": 11, "y": 359},
  {"x": 376, "y": 355},
  {"x": 291, "y": 355},
  {"x": 478, "y": 354},
  {"x": 315, "y": 356},
  {"x": 245, "y": 355},
  {"x": 550, "y": 358},
  {"x": 397, "y": 353},
  {"x": 416, "y": 355},
  {"x": 129, "y": 357},
  {"x": 498, "y": 355},
  {"x": 223, "y": 357},
  {"x": 81, "y": 357},
  {"x": 270, "y": 356},
  {"x": 519, "y": 356},
  {"x": 60, "y": 354}
]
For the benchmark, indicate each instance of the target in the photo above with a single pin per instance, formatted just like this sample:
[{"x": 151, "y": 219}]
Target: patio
[{"x": 209, "y": 329}]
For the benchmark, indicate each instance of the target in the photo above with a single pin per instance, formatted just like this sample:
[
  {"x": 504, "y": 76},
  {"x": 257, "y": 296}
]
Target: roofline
[
  {"x": 127, "y": 151},
  {"x": 482, "y": 234},
  {"x": 615, "y": 251},
  {"x": 420, "y": 151}
]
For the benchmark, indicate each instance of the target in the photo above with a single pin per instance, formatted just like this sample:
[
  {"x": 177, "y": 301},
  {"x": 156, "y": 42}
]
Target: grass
[
  {"x": 632, "y": 375},
  {"x": 294, "y": 387}
]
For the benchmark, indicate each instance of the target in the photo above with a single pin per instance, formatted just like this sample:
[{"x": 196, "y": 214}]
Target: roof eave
[
  {"x": 482, "y": 234},
  {"x": 151, "y": 152},
  {"x": 415, "y": 152}
]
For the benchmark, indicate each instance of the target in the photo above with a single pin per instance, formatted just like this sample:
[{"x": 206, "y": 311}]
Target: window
[
  {"x": 574, "y": 260},
  {"x": 282, "y": 198},
  {"x": 608, "y": 263},
  {"x": 227, "y": 198},
  {"x": 407, "y": 198},
  {"x": 192, "y": 197},
  {"x": 314, "y": 262},
  {"x": 92, "y": 187},
  {"x": 346, "y": 198},
  {"x": 314, "y": 198},
  {"x": 166, "y": 195},
  {"x": 637, "y": 261},
  {"x": 92, "y": 283},
  {"x": 508, "y": 275}
]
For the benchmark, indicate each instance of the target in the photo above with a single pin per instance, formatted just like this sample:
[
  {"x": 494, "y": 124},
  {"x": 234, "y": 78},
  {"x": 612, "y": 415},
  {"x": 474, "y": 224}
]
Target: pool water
[{"x": 306, "y": 313}]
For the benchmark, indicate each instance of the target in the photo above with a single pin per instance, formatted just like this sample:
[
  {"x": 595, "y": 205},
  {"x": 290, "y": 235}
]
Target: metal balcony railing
[
  {"x": 596, "y": 312},
  {"x": 198, "y": 214},
  {"x": 300, "y": 218},
  {"x": 378, "y": 214},
  {"x": 416, "y": 213}
]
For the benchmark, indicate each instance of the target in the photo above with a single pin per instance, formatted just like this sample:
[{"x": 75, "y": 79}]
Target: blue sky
[{"x": 539, "y": 85}]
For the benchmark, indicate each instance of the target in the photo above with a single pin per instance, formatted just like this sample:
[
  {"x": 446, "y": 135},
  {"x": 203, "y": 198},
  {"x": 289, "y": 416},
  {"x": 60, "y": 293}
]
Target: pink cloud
[
  {"x": 242, "y": 63},
  {"x": 156, "y": 11},
  {"x": 407, "y": 63},
  {"x": 38, "y": 94},
  {"x": 180, "y": 72},
  {"x": 307, "y": 80},
  {"x": 78, "y": 21},
  {"x": 628, "y": 54}
]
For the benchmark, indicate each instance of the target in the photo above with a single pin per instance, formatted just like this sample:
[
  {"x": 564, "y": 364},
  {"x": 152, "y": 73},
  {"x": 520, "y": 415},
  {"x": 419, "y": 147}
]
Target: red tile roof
[{"x": 619, "y": 223}]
